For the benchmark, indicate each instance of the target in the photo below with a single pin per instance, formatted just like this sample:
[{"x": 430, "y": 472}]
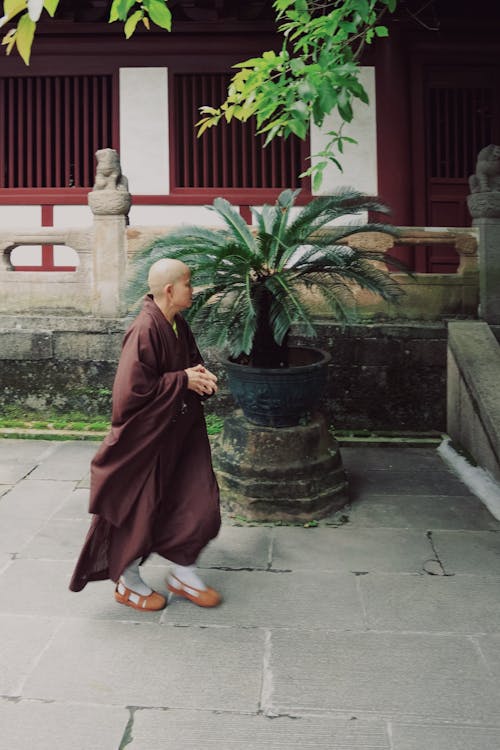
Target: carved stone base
[
  {"x": 484, "y": 205},
  {"x": 284, "y": 473},
  {"x": 109, "y": 202}
]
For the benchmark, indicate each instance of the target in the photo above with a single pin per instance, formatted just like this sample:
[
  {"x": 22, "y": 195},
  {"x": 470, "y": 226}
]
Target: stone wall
[
  {"x": 473, "y": 393},
  {"x": 389, "y": 376}
]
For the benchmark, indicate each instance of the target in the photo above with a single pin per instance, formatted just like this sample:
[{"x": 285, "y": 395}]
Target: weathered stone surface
[
  {"x": 393, "y": 674},
  {"x": 191, "y": 731},
  {"x": 438, "y": 737},
  {"x": 473, "y": 402},
  {"x": 453, "y": 511},
  {"x": 69, "y": 462},
  {"x": 170, "y": 667},
  {"x": 94, "y": 347},
  {"x": 263, "y": 599},
  {"x": 390, "y": 376},
  {"x": 11, "y": 473},
  {"x": 287, "y": 473},
  {"x": 26, "y": 345},
  {"x": 22, "y": 639},
  {"x": 472, "y": 552},
  {"x": 57, "y": 540},
  {"x": 35, "y": 499},
  {"x": 348, "y": 549},
  {"x": 47, "y": 726},
  {"x": 41, "y": 586},
  {"x": 414, "y": 482},
  {"x": 459, "y": 604},
  {"x": 359, "y": 459},
  {"x": 76, "y": 506}
]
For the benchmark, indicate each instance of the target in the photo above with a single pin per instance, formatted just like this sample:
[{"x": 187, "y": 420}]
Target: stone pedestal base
[{"x": 279, "y": 473}]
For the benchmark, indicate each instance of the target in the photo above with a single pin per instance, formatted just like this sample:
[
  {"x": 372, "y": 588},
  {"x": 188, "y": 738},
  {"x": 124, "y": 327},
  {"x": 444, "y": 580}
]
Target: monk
[{"x": 152, "y": 486}]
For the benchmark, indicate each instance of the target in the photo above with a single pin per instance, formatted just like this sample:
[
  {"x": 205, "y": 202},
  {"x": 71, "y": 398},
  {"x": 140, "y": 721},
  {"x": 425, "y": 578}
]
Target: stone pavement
[{"x": 378, "y": 630}]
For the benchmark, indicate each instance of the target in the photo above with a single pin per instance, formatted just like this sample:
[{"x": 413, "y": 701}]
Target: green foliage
[
  {"x": 315, "y": 72},
  {"x": 252, "y": 286}
]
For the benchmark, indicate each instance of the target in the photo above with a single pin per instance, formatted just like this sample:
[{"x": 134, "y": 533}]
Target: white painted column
[
  {"x": 144, "y": 152},
  {"x": 359, "y": 160}
]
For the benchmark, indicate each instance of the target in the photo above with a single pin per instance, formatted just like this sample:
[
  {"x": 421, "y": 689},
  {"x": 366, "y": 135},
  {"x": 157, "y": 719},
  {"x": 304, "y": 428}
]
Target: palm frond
[
  {"x": 237, "y": 225},
  {"x": 287, "y": 308}
]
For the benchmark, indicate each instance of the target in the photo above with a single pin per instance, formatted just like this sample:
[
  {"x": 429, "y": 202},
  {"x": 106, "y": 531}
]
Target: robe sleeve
[{"x": 146, "y": 402}]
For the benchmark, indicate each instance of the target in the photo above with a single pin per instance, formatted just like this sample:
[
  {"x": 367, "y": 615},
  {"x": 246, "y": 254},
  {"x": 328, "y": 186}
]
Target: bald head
[{"x": 165, "y": 271}]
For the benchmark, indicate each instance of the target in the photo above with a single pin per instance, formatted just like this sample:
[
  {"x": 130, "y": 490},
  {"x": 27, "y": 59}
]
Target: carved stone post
[
  {"x": 484, "y": 206},
  {"x": 109, "y": 201}
]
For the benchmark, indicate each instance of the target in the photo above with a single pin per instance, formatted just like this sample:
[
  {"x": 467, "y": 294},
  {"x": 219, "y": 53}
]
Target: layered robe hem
[{"x": 152, "y": 486}]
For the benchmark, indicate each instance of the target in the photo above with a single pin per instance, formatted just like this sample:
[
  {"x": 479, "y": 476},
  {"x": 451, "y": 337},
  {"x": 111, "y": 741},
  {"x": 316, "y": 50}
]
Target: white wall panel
[
  {"x": 359, "y": 160},
  {"x": 144, "y": 129},
  {"x": 72, "y": 216},
  {"x": 20, "y": 217},
  {"x": 173, "y": 215}
]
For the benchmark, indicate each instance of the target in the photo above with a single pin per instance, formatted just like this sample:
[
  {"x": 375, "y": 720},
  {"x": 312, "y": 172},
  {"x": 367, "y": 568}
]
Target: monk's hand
[{"x": 201, "y": 381}]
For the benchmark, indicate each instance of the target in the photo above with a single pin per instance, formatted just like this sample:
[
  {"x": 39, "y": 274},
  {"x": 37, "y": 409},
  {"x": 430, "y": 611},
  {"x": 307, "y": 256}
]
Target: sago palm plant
[{"x": 252, "y": 283}]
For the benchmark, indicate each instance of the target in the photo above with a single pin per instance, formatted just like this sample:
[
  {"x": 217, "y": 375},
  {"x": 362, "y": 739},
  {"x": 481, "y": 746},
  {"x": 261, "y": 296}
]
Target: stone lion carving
[
  {"x": 487, "y": 177},
  {"x": 110, "y": 195},
  {"x": 108, "y": 173}
]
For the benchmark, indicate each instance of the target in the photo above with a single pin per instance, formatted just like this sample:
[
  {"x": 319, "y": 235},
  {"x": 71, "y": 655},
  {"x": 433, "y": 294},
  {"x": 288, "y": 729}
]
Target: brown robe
[{"x": 152, "y": 487}]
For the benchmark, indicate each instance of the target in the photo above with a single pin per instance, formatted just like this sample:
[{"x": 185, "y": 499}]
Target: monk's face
[{"x": 182, "y": 292}]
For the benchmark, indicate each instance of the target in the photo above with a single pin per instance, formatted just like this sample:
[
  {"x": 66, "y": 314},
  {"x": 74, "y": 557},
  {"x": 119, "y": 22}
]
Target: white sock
[
  {"x": 131, "y": 578},
  {"x": 187, "y": 574}
]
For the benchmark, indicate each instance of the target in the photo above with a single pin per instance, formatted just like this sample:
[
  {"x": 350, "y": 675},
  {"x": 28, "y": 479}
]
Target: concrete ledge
[
  {"x": 31, "y": 345},
  {"x": 473, "y": 392}
]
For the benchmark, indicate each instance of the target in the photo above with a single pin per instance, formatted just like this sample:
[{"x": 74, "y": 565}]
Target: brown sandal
[
  {"x": 150, "y": 603},
  {"x": 202, "y": 597}
]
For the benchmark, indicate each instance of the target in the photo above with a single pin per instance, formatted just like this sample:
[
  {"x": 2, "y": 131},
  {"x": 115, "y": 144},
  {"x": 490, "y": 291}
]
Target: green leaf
[
  {"x": 159, "y": 13},
  {"x": 131, "y": 23},
  {"x": 381, "y": 31},
  {"x": 298, "y": 128},
  {"x": 12, "y": 7},
  {"x": 51, "y": 6},
  {"x": 24, "y": 37},
  {"x": 120, "y": 9}
]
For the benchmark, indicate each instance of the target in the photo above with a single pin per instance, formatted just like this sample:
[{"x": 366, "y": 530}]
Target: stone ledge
[
  {"x": 476, "y": 354},
  {"x": 28, "y": 345}
]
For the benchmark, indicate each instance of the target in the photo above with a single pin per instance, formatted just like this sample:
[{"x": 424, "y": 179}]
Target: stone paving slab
[
  {"x": 456, "y": 512},
  {"x": 41, "y": 587},
  {"x": 84, "y": 483},
  {"x": 489, "y": 646},
  {"x": 459, "y": 604},
  {"x": 36, "y": 499},
  {"x": 70, "y": 461},
  {"x": 30, "y": 451},
  {"x": 195, "y": 730},
  {"x": 59, "y": 539},
  {"x": 76, "y": 507},
  {"x": 272, "y": 600},
  {"x": 238, "y": 548},
  {"x": 122, "y": 664},
  {"x": 53, "y": 726},
  {"x": 22, "y": 639},
  {"x": 351, "y": 550},
  {"x": 405, "y": 483},
  {"x": 429, "y": 677},
  {"x": 473, "y": 552},
  {"x": 15, "y": 533},
  {"x": 408, "y": 737},
  {"x": 10, "y": 473},
  {"x": 360, "y": 459}
]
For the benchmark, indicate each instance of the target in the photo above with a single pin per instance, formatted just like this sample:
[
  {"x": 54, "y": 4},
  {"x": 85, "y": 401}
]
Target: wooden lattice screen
[
  {"x": 50, "y": 128},
  {"x": 231, "y": 155}
]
